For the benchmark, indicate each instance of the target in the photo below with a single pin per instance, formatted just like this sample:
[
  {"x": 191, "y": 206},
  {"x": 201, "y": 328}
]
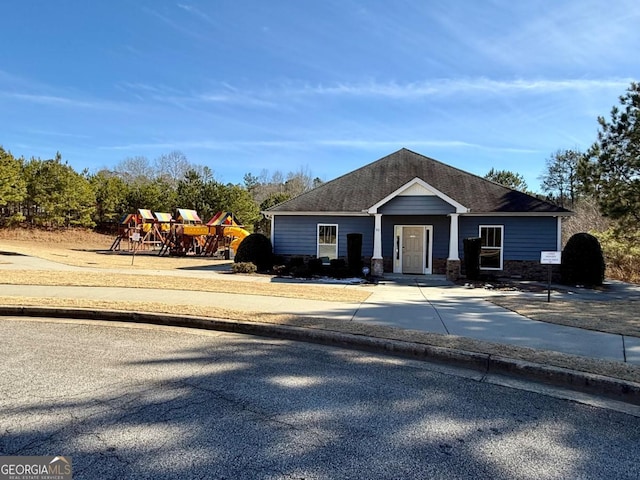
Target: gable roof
[{"x": 361, "y": 189}]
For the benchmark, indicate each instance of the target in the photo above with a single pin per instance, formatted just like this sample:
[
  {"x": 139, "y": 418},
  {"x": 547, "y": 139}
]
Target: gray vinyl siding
[
  {"x": 416, "y": 205},
  {"x": 524, "y": 237},
  {"x": 440, "y": 232},
  {"x": 297, "y": 235}
]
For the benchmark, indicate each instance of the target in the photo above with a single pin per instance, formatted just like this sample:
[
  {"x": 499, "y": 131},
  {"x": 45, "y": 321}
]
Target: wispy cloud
[
  {"x": 226, "y": 95},
  {"x": 279, "y": 96},
  {"x": 190, "y": 32},
  {"x": 447, "y": 87},
  {"x": 356, "y": 144},
  {"x": 198, "y": 13},
  {"x": 60, "y": 101},
  {"x": 57, "y": 134},
  {"x": 236, "y": 99}
]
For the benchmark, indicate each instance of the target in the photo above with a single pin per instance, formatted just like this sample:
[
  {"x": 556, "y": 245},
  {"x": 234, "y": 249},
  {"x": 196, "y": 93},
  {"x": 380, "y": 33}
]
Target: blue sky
[{"x": 327, "y": 86}]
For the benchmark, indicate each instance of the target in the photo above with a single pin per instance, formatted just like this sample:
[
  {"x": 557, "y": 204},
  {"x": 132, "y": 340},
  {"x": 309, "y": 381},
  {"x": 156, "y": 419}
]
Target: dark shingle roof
[{"x": 359, "y": 190}]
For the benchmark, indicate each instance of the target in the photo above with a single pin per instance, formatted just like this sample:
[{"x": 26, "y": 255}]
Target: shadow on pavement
[{"x": 245, "y": 408}]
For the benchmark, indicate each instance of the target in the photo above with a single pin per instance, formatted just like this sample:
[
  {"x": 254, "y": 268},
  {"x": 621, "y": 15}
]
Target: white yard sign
[{"x": 550, "y": 258}]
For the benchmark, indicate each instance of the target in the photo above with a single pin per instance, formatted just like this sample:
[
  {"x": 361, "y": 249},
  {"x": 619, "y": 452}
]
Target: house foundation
[
  {"x": 453, "y": 270},
  {"x": 377, "y": 267}
]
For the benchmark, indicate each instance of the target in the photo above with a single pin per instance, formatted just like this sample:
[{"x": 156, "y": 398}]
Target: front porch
[{"x": 416, "y": 245}]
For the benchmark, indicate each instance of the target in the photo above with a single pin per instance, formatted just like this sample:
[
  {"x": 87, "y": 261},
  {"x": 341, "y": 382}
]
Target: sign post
[
  {"x": 549, "y": 259},
  {"x": 135, "y": 238}
]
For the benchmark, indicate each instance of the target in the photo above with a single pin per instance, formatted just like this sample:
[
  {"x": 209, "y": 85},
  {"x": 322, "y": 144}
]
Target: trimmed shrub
[
  {"x": 338, "y": 263},
  {"x": 257, "y": 249},
  {"x": 338, "y": 268},
  {"x": 301, "y": 271},
  {"x": 244, "y": 267},
  {"x": 315, "y": 266},
  {"x": 295, "y": 262},
  {"x": 582, "y": 261},
  {"x": 279, "y": 269},
  {"x": 279, "y": 260}
]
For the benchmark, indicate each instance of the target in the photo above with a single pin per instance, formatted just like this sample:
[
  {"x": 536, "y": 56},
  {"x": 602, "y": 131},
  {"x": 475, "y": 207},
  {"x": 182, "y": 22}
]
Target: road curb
[{"x": 613, "y": 388}]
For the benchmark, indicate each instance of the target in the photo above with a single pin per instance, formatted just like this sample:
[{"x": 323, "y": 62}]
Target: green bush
[
  {"x": 338, "y": 263},
  {"x": 280, "y": 269},
  {"x": 582, "y": 261},
  {"x": 256, "y": 248},
  {"x": 315, "y": 266},
  {"x": 301, "y": 272},
  {"x": 295, "y": 262},
  {"x": 338, "y": 268},
  {"x": 244, "y": 267}
]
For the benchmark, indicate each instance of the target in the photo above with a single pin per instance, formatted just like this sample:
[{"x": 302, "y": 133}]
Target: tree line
[
  {"x": 602, "y": 185},
  {"x": 607, "y": 174},
  {"x": 50, "y": 193}
]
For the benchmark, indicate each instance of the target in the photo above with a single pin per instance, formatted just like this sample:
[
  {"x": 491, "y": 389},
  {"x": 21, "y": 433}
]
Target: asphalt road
[{"x": 135, "y": 402}]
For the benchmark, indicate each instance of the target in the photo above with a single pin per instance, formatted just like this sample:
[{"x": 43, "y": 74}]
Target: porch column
[
  {"x": 377, "y": 264},
  {"x": 453, "y": 261},
  {"x": 559, "y": 233},
  {"x": 453, "y": 237}
]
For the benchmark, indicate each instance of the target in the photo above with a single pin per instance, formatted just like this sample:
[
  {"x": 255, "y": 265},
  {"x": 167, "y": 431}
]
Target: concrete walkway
[{"x": 421, "y": 303}]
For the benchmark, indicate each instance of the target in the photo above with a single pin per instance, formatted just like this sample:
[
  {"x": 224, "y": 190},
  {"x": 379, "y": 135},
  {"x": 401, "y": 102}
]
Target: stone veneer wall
[
  {"x": 530, "y": 270},
  {"x": 523, "y": 270},
  {"x": 520, "y": 269},
  {"x": 454, "y": 270},
  {"x": 439, "y": 266}
]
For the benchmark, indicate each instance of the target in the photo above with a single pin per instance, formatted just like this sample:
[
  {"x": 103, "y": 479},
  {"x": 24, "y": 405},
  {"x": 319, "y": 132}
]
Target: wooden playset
[{"x": 183, "y": 235}]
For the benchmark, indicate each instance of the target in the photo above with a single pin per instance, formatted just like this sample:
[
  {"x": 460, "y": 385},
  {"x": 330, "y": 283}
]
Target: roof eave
[
  {"x": 519, "y": 214},
  {"x": 270, "y": 213}
]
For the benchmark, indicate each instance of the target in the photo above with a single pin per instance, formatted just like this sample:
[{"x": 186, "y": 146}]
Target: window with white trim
[
  {"x": 491, "y": 247},
  {"x": 327, "y": 241}
]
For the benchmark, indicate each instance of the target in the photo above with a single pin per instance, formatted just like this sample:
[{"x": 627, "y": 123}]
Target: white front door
[{"x": 412, "y": 249}]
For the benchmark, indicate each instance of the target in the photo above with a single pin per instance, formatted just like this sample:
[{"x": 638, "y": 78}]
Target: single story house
[{"x": 413, "y": 213}]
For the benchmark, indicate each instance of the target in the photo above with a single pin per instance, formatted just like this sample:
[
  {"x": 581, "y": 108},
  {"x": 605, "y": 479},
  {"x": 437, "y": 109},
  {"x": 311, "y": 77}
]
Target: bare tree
[
  {"x": 136, "y": 168},
  {"x": 172, "y": 166},
  {"x": 587, "y": 218}
]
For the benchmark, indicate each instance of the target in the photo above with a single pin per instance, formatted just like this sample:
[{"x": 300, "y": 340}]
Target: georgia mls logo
[
  {"x": 35, "y": 468},
  {"x": 59, "y": 466}
]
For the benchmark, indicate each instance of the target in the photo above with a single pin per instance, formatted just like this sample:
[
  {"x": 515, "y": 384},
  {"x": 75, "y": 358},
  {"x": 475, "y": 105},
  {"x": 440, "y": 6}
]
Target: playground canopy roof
[
  {"x": 129, "y": 218},
  {"x": 188, "y": 215},
  {"x": 146, "y": 214},
  {"x": 163, "y": 217},
  {"x": 224, "y": 218}
]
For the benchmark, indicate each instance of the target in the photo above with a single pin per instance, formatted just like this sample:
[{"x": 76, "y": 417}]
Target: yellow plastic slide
[{"x": 238, "y": 234}]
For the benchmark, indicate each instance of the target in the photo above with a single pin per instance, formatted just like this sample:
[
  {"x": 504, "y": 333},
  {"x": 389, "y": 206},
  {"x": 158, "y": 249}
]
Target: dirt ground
[
  {"x": 88, "y": 249},
  {"x": 613, "y": 316}
]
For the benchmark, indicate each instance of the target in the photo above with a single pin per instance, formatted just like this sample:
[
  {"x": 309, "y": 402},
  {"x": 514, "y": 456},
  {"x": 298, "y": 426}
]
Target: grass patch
[
  {"x": 611, "y": 316},
  {"x": 327, "y": 293}
]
